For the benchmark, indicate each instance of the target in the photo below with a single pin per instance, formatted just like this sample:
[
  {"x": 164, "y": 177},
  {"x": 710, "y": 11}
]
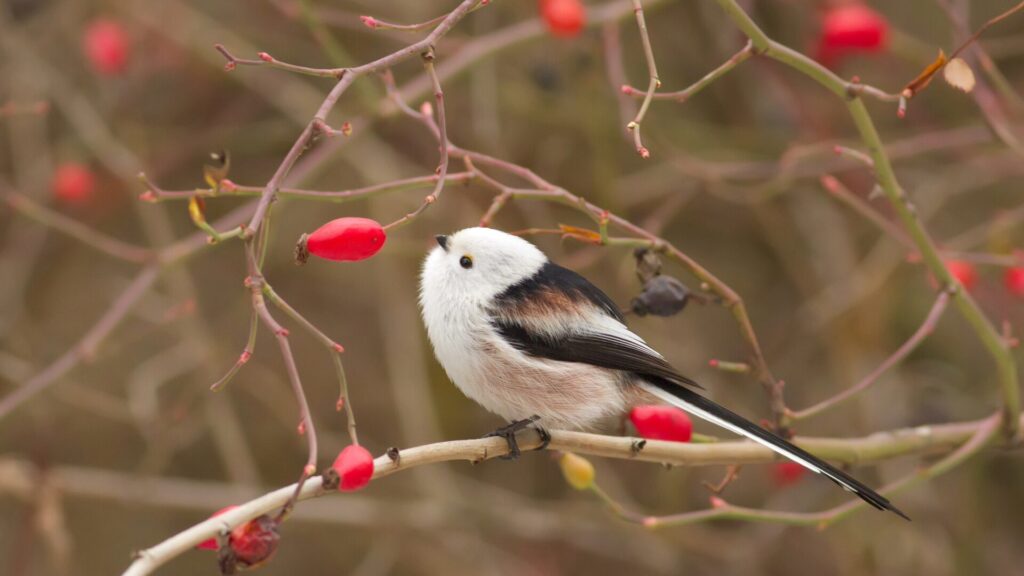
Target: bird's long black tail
[{"x": 705, "y": 409}]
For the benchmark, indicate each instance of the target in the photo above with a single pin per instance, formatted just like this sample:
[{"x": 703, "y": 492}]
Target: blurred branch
[
  {"x": 230, "y": 189},
  {"x": 926, "y": 328},
  {"x": 84, "y": 234},
  {"x": 722, "y": 510},
  {"x": 86, "y": 347},
  {"x": 112, "y": 317},
  {"x": 964, "y": 438}
]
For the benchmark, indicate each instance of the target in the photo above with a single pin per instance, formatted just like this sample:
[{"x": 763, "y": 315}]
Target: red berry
[
  {"x": 662, "y": 423},
  {"x": 964, "y": 272},
  {"x": 106, "y": 45},
  {"x": 345, "y": 239},
  {"x": 354, "y": 466},
  {"x": 211, "y": 544},
  {"x": 788, "y": 473},
  {"x": 73, "y": 183},
  {"x": 854, "y": 26},
  {"x": 564, "y": 18},
  {"x": 850, "y": 29},
  {"x": 1014, "y": 281},
  {"x": 254, "y": 542}
]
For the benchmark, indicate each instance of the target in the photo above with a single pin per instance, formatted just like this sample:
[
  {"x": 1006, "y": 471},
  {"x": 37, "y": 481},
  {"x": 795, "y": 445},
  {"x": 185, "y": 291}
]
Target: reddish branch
[{"x": 926, "y": 328}]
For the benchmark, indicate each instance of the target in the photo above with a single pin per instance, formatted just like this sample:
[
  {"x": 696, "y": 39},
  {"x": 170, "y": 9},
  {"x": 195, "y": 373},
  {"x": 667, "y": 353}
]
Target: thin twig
[
  {"x": 926, "y": 328},
  {"x": 155, "y": 194},
  {"x": 442, "y": 138},
  {"x": 78, "y": 231},
  {"x": 685, "y": 94},
  {"x": 653, "y": 84}
]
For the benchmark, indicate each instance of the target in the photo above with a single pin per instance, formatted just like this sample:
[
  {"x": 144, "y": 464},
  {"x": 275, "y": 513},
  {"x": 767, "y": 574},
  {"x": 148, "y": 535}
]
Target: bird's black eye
[{"x": 466, "y": 262}]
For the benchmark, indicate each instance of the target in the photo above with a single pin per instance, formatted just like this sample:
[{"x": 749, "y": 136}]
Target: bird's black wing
[
  {"x": 551, "y": 315},
  {"x": 603, "y": 350}
]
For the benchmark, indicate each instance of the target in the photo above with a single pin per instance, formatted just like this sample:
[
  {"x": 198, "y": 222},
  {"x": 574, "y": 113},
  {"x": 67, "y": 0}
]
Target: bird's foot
[{"x": 509, "y": 434}]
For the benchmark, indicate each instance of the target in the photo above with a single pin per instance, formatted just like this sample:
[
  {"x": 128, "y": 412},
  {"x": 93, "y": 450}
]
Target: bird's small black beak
[{"x": 442, "y": 241}]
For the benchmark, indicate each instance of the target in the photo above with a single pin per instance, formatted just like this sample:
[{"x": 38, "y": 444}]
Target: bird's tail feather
[{"x": 705, "y": 409}]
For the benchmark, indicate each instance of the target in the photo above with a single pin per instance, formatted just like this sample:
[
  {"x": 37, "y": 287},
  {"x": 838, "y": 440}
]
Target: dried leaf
[
  {"x": 959, "y": 75},
  {"x": 580, "y": 233},
  {"x": 925, "y": 77}
]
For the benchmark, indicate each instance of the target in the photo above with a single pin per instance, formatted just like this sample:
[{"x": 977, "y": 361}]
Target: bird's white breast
[{"x": 502, "y": 379}]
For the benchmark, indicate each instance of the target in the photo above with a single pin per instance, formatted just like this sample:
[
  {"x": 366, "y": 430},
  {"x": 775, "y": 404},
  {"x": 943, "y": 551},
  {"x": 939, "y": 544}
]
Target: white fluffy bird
[{"x": 530, "y": 340}]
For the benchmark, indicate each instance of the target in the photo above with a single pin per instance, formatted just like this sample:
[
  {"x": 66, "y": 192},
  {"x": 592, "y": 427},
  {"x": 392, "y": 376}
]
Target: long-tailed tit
[{"x": 526, "y": 338}]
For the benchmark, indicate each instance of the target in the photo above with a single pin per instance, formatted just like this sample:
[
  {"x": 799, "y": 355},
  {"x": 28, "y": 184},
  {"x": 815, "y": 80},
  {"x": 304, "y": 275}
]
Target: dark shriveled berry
[
  {"x": 662, "y": 296},
  {"x": 648, "y": 264}
]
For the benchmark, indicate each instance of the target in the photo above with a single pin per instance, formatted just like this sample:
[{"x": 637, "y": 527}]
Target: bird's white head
[{"x": 474, "y": 265}]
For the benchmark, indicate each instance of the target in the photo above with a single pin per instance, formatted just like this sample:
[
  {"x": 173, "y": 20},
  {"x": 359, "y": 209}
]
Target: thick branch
[{"x": 922, "y": 440}]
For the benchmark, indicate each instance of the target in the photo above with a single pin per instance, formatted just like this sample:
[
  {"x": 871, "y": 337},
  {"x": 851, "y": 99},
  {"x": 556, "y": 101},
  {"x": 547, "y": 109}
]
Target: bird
[{"x": 538, "y": 344}]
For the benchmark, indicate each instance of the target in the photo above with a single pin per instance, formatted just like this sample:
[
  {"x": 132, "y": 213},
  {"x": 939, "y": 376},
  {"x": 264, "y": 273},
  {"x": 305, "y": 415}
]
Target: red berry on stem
[
  {"x": 662, "y": 423},
  {"x": 344, "y": 239},
  {"x": 211, "y": 544},
  {"x": 1014, "y": 281},
  {"x": 106, "y": 45},
  {"x": 788, "y": 473},
  {"x": 354, "y": 467},
  {"x": 73, "y": 183},
  {"x": 564, "y": 18},
  {"x": 964, "y": 273}
]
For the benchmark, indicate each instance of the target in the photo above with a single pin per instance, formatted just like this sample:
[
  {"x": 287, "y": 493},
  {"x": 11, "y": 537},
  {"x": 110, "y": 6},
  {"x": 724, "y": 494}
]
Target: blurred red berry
[
  {"x": 564, "y": 18},
  {"x": 788, "y": 473},
  {"x": 662, "y": 423},
  {"x": 964, "y": 273},
  {"x": 851, "y": 28},
  {"x": 1014, "y": 281},
  {"x": 73, "y": 183},
  {"x": 254, "y": 542},
  {"x": 344, "y": 239},
  {"x": 211, "y": 544},
  {"x": 106, "y": 45},
  {"x": 354, "y": 467}
]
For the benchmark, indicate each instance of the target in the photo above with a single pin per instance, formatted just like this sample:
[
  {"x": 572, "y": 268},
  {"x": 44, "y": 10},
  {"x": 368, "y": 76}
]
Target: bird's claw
[{"x": 509, "y": 434}]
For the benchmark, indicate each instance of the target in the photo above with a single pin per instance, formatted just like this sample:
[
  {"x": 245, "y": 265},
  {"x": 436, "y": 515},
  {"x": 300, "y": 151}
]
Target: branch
[
  {"x": 965, "y": 438},
  {"x": 348, "y": 76},
  {"x": 230, "y": 189},
  {"x": 77, "y": 230},
  {"x": 442, "y": 139},
  {"x": 989, "y": 335},
  {"x": 926, "y": 328},
  {"x": 685, "y": 94},
  {"x": 87, "y": 346},
  {"x": 268, "y": 60},
  {"x": 652, "y": 85}
]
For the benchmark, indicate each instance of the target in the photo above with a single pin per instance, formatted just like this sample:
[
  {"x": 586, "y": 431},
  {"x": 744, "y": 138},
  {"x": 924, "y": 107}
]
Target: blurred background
[{"x": 129, "y": 446}]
